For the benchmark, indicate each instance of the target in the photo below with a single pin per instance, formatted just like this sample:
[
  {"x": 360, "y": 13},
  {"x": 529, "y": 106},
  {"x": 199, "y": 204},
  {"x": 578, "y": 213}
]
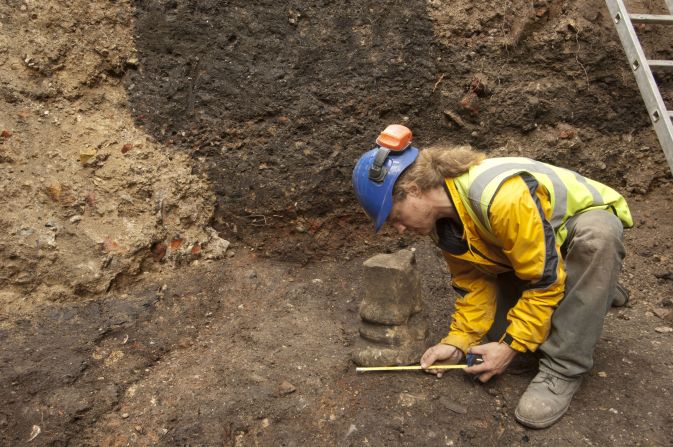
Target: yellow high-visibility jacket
[{"x": 513, "y": 212}]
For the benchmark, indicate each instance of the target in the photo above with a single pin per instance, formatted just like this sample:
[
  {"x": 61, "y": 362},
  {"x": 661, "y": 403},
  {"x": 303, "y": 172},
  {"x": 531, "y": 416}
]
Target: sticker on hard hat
[{"x": 395, "y": 137}]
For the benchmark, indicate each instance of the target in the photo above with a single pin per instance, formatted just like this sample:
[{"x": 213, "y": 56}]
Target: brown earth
[{"x": 126, "y": 321}]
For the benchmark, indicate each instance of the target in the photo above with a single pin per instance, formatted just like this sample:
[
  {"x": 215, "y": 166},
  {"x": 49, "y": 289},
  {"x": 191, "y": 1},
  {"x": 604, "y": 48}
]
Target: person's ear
[{"x": 413, "y": 190}]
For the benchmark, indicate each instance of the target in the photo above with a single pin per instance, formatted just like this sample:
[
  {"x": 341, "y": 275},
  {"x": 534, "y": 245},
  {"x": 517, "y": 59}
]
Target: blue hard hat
[{"x": 374, "y": 178}]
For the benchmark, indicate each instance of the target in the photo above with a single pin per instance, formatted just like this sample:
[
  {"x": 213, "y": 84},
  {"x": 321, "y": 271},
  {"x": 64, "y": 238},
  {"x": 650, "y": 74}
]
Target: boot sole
[
  {"x": 540, "y": 424},
  {"x": 620, "y": 289}
]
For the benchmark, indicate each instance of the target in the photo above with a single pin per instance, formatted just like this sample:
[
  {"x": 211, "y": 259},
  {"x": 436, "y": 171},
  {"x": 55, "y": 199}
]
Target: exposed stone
[
  {"x": 416, "y": 330},
  {"x": 663, "y": 313},
  {"x": 87, "y": 154},
  {"x": 452, "y": 405},
  {"x": 392, "y": 288},
  {"x": 216, "y": 247},
  {"x": 392, "y": 331},
  {"x": 566, "y": 131},
  {"x": 369, "y": 354},
  {"x": 408, "y": 400},
  {"x": 285, "y": 388}
]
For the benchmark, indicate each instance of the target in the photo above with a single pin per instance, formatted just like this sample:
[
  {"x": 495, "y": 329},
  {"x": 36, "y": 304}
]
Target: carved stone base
[
  {"x": 392, "y": 288},
  {"x": 369, "y": 354},
  {"x": 415, "y": 330},
  {"x": 392, "y": 331}
]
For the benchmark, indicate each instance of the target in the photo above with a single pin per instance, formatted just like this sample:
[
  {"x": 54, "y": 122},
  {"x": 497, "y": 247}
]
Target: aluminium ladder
[{"x": 642, "y": 68}]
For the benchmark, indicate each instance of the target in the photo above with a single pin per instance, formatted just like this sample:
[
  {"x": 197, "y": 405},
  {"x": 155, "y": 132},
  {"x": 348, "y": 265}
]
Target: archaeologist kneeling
[{"x": 534, "y": 252}]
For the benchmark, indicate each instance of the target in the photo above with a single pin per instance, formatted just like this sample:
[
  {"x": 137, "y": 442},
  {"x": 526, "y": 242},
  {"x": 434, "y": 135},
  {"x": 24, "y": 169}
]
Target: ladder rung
[
  {"x": 652, "y": 18},
  {"x": 661, "y": 65},
  {"x": 642, "y": 69}
]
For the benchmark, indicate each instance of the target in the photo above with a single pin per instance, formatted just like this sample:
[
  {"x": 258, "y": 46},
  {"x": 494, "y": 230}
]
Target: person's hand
[
  {"x": 447, "y": 353},
  {"x": 496, "y": 358}
]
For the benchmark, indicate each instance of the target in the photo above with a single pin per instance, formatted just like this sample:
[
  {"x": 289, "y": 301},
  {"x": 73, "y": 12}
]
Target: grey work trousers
[{"x": 593, "y": 254}]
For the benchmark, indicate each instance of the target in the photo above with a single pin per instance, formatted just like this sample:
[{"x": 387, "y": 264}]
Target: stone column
[{"x": 392, "y": 331}]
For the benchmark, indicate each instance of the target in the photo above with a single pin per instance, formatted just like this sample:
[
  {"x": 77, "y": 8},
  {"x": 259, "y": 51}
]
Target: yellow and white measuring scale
[{"x": 472, "y": 360}]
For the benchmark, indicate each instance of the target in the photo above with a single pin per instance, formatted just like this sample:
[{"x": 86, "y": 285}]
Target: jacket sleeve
[
  {"x": 475, "y": 304},
  {"x": 519, "y": 216}
]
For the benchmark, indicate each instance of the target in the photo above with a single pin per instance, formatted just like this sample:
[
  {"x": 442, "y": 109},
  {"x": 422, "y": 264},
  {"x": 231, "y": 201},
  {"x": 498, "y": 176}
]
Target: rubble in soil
[{"x": 90, "y": 199}]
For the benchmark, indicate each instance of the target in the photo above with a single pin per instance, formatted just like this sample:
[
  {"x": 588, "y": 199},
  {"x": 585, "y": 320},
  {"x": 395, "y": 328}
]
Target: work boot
[
  {"x": 621, "y": 296},
  {"x": 547, "y": 399}
]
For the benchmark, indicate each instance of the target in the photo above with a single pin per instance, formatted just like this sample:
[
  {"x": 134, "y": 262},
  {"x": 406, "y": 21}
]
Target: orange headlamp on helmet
[{"x": 376, "y": 172}]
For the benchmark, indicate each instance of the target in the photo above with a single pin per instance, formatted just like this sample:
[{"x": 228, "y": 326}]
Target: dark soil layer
[{"x": 278, "y": 99}]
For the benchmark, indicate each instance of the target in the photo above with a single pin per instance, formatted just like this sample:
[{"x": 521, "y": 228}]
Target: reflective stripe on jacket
[{"x": 514, "y": 212}]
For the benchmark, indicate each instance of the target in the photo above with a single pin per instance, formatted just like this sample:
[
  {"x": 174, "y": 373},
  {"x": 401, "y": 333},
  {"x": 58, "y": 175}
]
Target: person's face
[{"x": 414, "y": 213}]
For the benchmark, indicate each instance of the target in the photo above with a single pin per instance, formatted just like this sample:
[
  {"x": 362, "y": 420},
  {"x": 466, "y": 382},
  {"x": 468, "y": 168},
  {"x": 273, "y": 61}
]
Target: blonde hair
[{"x": 435, "y": 164}]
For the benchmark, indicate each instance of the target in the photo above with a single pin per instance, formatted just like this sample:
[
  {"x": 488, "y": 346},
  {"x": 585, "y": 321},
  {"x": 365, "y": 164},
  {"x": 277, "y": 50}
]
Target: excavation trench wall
[
  {"x": 89, "y": 200},
  {"x": 124, "y": 125},
  {"x": 278, "y": 99}
]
